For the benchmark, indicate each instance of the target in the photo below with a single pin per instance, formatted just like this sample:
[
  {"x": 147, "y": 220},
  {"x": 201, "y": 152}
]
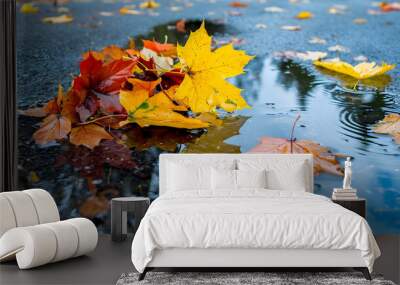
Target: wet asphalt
[{"x": 48, "y": 54}]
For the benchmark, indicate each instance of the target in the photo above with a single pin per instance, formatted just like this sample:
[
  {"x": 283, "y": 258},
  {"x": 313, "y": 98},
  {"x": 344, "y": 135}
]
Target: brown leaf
[
  {"x": 38, "y": 112},
  {"x": 53, "y": 128},
  {"x": 389, "y": 125},
  {"x": 238, "y": 4},
  {"x": 89, "y": 135},
  {"x": 324, "y": 160}
]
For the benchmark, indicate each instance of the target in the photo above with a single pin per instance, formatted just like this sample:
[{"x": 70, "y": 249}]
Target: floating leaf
[
  {"x": 324, "y": 160},
  {"x": 89, "y": 135},
  {"x": 389, "y": 125},
  {"x": 261, "y": 26},
  {"x": 213, "y": 141},
  {"x": 29, "y": 8},
  {"x": 238, "y": 4},
  {"x": 149, "y": 4},
  {"x": 304, "y": 15},
  {"x": 204, "y": 87},
  {"x": 360, "y": 71},
  {"x": 62, "y": 19},
  {"x": 129, "y": 10},
  {"x": 53, "y": 128},
  {"x": 274, "y": 9},
  {"x": 338, "y": 48},
  {"x": 291, "y": 28},
  {"x": 308, "y": 55},
  {"x": 390, "y": 7},
  {"x": 317, "y": 40},
  {"x": 360, "y": 21}
]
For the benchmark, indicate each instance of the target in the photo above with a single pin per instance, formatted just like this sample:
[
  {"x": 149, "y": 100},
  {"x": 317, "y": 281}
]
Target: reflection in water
[
  {"x": 168, "y": 31},
  {"x": 336, "y": 117},
  {"x": 359, "y": 112},
  {"x": 294, "y": 75},
  {"x": 84, "y": 181}
]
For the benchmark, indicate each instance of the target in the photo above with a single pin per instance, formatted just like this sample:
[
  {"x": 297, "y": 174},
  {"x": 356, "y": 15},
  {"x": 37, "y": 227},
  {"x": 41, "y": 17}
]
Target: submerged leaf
[
  {"x": 360, "y": 71},
  {"x": 389, "y": 125},
  {"x": 324, "y": 160}
]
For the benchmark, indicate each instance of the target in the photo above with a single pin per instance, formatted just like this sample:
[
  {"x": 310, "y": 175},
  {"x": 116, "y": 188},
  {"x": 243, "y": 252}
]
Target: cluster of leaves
[{"x": 159, "y": 85}]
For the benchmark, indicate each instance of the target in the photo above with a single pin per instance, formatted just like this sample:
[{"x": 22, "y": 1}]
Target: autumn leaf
[
  {"x": 360, "y": 71},
  {"x": 378, "y": 82},
  {"x": 129, "y": 10},
  {"x": 390, "y": 7},
  {"x": 103, "y": 78},
  {"x": 88, "y": 135},
  {"x": 29, "y": 8},
  {"x": 238, "y": 4},
  {"x": 107, "y": 54},
  {"x": 53, "y": 128},
  {"x": 38, "y": 112},
  {"x": 213, "y": 141},
  {"x": 62, "y": 19},
  {"x": 147, "y": 109},
  {"x": 109, "y": 104},
  {"x": 291, "y": 28},
  {"x": 150, "y": 4},
  {"x": 164, "y": 49},
  {"x": 324, "y": 160},
  {"x": 181, "y": 26},
  {"x": 304, "y": 15},
  {"x": 389, "y": 125},
  {"x": 204, "y": 87}
]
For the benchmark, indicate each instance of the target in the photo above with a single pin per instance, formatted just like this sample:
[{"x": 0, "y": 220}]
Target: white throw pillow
[
  {"x": 291, "y": 175},
  {"x": 181, "y": 177},
  {"x": 251, "y": 178},
  {"x": 223, "y": 179}
]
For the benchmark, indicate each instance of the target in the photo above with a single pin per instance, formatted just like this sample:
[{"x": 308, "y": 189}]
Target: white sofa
[{"x": 31, "y": 231}]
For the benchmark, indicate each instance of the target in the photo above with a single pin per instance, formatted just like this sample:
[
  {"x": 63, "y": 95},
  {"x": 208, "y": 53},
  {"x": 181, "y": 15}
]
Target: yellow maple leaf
[
  {"x": 361, "y": 71},
  {"x": 150, "y": 4},
  {"x": 146, "y": 109},
  {"x": 58, "y": 19},
  {"x": 204, "y": 87},
  {"x": 29, "y": 8},
  {"x": 389, "y": 125},
  {"x": 303, "y": 15}
]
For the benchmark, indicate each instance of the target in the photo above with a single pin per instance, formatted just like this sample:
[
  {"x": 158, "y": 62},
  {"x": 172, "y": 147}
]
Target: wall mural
[{"x": 95, "y": 115}]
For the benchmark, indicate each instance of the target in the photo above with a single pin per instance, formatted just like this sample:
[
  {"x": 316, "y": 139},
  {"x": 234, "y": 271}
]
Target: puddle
[{"x": 332, "y": 114}]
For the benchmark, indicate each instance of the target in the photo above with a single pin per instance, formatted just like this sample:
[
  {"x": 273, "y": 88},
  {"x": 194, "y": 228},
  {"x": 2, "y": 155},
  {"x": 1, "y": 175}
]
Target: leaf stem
[
  {"x": 101, "y": 118},
  {"x": 292, "y": 132}
]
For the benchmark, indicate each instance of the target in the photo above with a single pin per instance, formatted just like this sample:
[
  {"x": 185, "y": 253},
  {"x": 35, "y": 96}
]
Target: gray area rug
[{"x": 231, "y": 278}]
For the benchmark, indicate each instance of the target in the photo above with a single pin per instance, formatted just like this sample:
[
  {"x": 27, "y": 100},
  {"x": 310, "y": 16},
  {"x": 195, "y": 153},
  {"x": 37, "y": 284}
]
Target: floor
[{"x": 110, "y": 260}]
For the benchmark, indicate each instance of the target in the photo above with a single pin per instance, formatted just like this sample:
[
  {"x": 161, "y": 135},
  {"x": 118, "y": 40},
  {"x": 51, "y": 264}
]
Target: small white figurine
[{"x": 347, "y": 174}]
